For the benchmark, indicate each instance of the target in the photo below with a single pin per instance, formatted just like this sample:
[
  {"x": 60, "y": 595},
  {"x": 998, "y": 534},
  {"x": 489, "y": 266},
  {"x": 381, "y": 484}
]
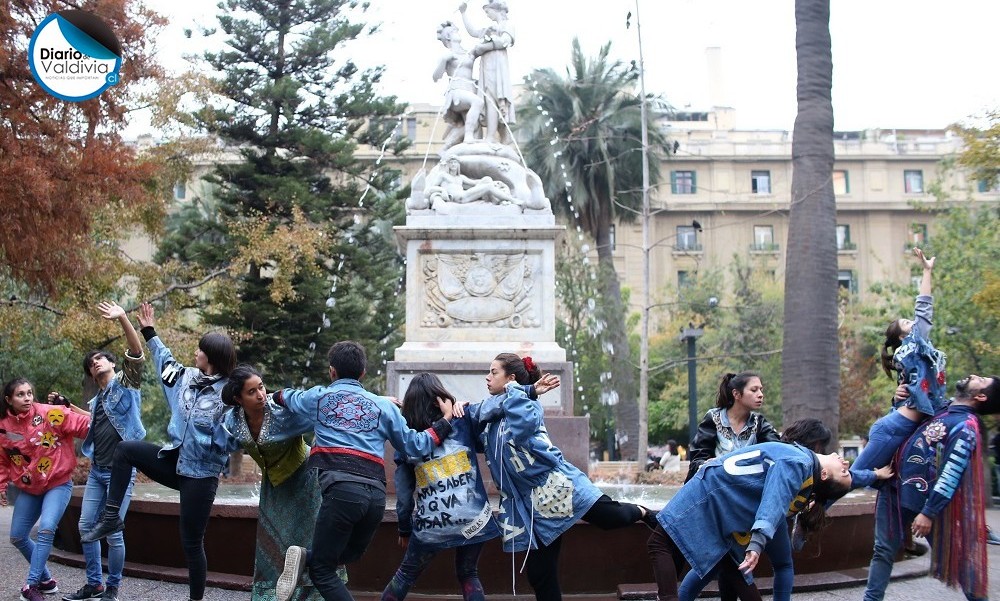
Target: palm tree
[
  {"x": 594, "y": 116},
  {"x": 810, "y": 378}
]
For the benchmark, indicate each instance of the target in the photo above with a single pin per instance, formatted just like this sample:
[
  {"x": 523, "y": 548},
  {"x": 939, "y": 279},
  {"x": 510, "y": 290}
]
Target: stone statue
[
  {"x": 463, "y": 104},
  {"x": 496, "y": 87},
  {"x": 447, "y": 184}
]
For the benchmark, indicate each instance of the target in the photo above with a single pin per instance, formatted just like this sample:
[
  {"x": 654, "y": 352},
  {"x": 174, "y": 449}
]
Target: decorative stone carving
[{"x": 480, "y": 290}]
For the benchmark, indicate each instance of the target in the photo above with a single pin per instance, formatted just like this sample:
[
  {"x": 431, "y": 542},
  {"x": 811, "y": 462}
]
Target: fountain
[{"x": 479, "y": 240}]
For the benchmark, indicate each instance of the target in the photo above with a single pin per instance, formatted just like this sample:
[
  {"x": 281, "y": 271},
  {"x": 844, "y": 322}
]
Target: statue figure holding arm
[{"x": 496, "y": 87}]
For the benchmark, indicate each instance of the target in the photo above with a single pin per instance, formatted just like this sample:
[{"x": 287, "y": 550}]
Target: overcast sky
[{"x": 897, "y": 63}]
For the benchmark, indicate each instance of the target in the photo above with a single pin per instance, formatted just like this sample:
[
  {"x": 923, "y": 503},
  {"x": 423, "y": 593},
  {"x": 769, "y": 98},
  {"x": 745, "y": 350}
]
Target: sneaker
[
  {"x": 295, "y": 564},
  {"x": 991, "y": 537},
  {"x": 87, "y": 592},
  {"x": 110, "y": 594},
  {"x": 31, "y": 593},
  {"x": 648, "y": 517},
  {"x": 49, "y": 587},
  {"x": 107, "y": 525}
]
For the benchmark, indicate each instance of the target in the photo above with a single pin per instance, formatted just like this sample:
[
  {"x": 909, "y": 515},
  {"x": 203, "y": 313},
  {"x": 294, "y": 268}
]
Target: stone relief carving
[{"x": 480, "y": 290}]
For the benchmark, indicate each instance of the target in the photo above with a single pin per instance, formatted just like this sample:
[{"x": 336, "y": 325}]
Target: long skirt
[{"x": 287, "y": 517}]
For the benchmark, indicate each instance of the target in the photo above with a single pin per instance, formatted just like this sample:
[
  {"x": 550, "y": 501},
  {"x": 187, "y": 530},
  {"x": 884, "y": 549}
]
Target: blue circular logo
[{"x": 74, "y": 55}]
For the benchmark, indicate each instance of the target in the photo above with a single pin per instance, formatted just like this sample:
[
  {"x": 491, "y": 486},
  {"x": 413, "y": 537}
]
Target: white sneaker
[{"x": 295, "y": 564}]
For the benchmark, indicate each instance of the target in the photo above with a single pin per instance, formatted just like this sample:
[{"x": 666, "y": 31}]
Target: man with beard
[{"x": 939, "y": 483}]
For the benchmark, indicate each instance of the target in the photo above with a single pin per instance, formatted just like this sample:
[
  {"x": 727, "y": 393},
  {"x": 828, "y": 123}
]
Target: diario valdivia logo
[{"x": 74, "y": 55}]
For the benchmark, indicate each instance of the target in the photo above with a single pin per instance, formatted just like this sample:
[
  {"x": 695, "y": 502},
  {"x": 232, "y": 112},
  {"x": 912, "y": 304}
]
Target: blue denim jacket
[
  {"x": 122, "y": 404},
  {"x": 440, "y": 498},
  {"x": 542, "y": 494},
  {"x": 731, "y": 498},
  {"x": 195, "y": 416}
]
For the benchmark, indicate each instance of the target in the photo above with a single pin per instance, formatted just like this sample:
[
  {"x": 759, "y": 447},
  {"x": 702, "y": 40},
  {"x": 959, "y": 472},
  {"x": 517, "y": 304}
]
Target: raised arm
[
  {"x": 928, "y": 265},
  {"x": 132, "y": 366},
  {"x": 474, "y": 31}
]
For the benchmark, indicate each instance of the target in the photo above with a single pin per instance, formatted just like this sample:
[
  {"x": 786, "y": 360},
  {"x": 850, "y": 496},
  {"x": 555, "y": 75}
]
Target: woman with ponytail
[{"x": 542, "y": 493}]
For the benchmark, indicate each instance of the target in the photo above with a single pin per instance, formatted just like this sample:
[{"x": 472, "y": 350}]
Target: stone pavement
[{"x": 13, "y": 569}]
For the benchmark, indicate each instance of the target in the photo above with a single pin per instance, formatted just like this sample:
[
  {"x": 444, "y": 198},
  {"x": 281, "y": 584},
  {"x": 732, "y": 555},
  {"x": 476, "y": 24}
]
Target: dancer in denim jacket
[
  {"x": 735, "y": 504},
  {"x": 441, "y": 501},
  {"x": 919, "y": 368},
  {"x": 196, "y": 452},
  {"x": 38, "y": 457},
  {"x": 116, "y": 415},
  {"x": 542, "y": 494},
  {"x": 351, "y": 426}
]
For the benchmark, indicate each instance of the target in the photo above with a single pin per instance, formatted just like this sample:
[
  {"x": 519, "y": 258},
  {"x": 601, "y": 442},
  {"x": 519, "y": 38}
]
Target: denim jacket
[
  {"x": 919, "y": 365},
  {"x": 352, "y": 425},
  {"x": 737, "y": 498},
  {"x": 122, "y": 403},
  {"x": 440, "y": 498},
  {"x": 195, "y": 416},
  {"x": 541, "y": 494}
]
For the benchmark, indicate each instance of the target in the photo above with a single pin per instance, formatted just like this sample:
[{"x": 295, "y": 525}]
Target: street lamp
[{"x": 691, "y": 335}]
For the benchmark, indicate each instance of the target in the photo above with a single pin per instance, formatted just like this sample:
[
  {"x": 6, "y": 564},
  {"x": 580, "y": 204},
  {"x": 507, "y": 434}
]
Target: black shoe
[
  {"x": 87, "y": 592},
  {"x": 107, "y": 525},
  {"x": 648, "y": 517},
  {"x": 110, "y": 594},
  {"x": 916, "y": 549}
]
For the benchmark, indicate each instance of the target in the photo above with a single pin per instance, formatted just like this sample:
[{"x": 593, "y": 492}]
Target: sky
[{"x": 897, "y": 63}]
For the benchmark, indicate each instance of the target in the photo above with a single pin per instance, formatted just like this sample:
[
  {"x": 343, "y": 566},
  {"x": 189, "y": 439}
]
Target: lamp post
[{"x": 691, "y": 336}]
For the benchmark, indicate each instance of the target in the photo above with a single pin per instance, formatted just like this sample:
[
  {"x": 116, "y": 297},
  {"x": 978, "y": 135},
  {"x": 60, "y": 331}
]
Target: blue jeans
[
  {"x": 46, "y": 509},
  {"x": 94, "y": 497},
  {"x": 415, "y": 561},
  {"x": 348, "y": 518},
  {"x": 885, "y": 437}
]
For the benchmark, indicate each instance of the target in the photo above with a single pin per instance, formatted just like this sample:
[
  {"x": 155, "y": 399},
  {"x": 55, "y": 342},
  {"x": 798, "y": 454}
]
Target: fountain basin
[{"x": 592, "y": 560}]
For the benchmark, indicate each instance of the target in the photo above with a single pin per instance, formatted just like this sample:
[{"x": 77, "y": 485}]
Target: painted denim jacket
[
  {"x": 279, "y": 449},
  {"x": 919, "y": 365},
  {"x": 935, "y": 458},
  {"x": 440, "y": 498},
  {"x": 195, "y": 416},
  {"x": 122, "y": 403},
  {"x": 747, "y": 492},
  {"x": 541, "y": 494}
]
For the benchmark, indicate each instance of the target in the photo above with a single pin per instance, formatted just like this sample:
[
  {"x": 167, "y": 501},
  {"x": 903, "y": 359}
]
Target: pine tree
[{"x": 300, "y": 220}]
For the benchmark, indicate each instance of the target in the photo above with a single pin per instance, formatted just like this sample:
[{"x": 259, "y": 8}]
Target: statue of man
[
  {"x": 447, "y": 184},
  {"x": 463, "y": 104},
  {"x": 495, "y": 84}
]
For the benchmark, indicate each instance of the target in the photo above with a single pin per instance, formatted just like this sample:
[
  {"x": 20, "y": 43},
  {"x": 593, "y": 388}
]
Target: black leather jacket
[{"x": 703, "y": 446}]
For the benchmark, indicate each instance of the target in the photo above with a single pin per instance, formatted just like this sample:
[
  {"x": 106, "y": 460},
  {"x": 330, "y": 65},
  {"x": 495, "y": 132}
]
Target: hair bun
[{"x": 529, "y": 364}]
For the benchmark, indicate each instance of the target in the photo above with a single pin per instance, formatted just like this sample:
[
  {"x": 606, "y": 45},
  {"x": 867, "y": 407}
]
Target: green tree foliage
[
  {"x": 742, "y": 332},
  {"x": 582, "y": 135},
  {"x": 299, "y": 223}
]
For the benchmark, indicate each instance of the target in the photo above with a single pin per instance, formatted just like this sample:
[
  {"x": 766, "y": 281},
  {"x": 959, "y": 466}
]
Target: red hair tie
[{"x": 529, "y": 364}]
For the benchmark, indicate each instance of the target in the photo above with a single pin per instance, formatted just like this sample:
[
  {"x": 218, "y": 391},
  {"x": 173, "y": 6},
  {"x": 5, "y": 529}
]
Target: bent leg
[{"x": 668, "y": 561}]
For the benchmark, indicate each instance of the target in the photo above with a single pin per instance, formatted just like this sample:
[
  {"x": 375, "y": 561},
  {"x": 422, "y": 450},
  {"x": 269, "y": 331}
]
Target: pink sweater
[{"x": 38, "y": 451}]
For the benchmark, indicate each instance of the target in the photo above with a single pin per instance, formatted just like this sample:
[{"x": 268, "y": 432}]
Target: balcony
[
  {"x": 847, "y": 247},
  {"x": 764, "y": 247},
  {"x": 688, "y": 247}
]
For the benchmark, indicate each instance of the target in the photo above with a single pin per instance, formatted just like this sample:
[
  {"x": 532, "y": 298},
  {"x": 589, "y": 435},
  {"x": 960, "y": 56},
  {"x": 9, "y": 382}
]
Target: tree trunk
[
  {"x": 622, "y": 372},
  {"x": 810, "y": 353}
]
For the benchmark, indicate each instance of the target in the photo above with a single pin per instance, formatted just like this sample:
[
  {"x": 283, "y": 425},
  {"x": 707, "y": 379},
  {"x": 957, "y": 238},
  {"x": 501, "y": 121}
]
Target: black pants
[
  {"x": 197, "y": 496},
  {"x": 542, "y": 566}
]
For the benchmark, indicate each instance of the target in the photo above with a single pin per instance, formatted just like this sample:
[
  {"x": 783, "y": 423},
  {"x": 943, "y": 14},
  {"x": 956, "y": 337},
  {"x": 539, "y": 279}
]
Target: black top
[{"x": 106, "y": 438}]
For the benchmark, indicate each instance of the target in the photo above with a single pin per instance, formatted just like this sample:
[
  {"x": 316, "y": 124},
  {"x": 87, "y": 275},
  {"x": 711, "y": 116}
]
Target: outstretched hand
[
  {"x": 110, "y": 310},
  {"x": 147, "y": 317},
  {"x": 546, "y": 383},
  {"x": 927, "y": 263},
  {"x": 884, "y": 473}
]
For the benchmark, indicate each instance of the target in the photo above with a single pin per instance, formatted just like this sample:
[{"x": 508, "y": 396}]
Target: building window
[
  {"x": 985, "y": 186},
  {"x": 845, "y": 279},
  {"x": 405, "y": 128},
  {"x": 684, "y": 279},
  {"x": 683, "y": 182},
  {"x": 841, "y": 183},
  {"x": 763, "y": 238},
  {"x": 687, "y": 238},
  {"x": 918, "y": 235},
  {"x": 913, "y": 181},
  {"x": 180, "y": 190},
  {"x": 844, "y": 238},
  {"x": 760, "y": 182}
]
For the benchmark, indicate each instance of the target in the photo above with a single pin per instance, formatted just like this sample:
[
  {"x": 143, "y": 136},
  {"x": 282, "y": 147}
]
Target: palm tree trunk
[
  {"x": 810, "y": 353},
  {"x": 622, "y": 372}
]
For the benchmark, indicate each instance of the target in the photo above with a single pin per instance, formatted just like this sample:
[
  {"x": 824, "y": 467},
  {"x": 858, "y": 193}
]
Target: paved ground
[{"x": 13, "y": 569}]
